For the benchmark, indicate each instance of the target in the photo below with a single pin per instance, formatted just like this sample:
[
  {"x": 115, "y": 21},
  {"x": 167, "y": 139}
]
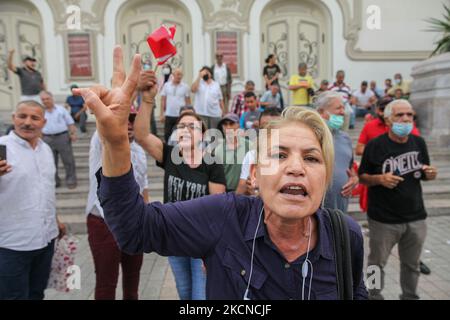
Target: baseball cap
[
  {"x": 29, "y": 58},
  {"x": 231, "y": 116},
  {"x": 228, "y": 117}
]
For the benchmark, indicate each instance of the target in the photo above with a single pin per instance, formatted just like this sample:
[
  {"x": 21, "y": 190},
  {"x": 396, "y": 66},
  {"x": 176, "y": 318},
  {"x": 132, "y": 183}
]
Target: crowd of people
[{"x": 243, "y": 217}]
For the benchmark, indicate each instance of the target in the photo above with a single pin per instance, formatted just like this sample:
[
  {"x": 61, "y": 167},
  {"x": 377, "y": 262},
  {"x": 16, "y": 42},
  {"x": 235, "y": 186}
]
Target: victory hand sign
[{"x": 111, "y": 109}]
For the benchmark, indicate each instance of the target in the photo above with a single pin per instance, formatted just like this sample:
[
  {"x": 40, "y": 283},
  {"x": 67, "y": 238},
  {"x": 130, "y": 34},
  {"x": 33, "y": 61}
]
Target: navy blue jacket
[{"x": 220, "y": 229}]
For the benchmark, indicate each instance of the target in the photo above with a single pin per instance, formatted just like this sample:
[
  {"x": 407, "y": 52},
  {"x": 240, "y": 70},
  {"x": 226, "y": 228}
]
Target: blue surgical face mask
[
  {"x": 335, "y": 122},
  {"x": 402, "y": 129},
  {"x": 397, "y": 81}
]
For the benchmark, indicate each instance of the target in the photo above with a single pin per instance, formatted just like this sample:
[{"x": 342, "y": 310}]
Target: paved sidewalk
[{"x": 157, "y": 280}]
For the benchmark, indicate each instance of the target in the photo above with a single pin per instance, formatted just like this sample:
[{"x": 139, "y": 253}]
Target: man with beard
[{"x": 31, "y": 81}]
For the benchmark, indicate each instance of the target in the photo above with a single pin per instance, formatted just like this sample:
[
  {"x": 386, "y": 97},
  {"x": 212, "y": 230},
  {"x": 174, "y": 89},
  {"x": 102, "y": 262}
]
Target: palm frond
[{"x": 441, "y": 26}]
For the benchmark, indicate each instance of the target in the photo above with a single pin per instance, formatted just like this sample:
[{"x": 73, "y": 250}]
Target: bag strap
[{"x": 342, "y": 250}]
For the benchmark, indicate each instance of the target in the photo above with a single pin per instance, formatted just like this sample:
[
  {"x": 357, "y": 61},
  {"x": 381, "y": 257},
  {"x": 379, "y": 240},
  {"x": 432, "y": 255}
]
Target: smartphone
[{"x": 2, "y": 152}]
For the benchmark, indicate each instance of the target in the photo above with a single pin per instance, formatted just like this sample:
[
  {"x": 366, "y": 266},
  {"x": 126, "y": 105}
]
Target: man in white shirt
[
  {"x": 208, "y": 102},
  {"x": 174, "y": 95},
  {"x": 363, "y": 99},
  {"x": 222, "y": 74},
  {"x": 107, "y": 255},
  {"x": 28, "y": 221},
  {"x": 59, "y": 133}
]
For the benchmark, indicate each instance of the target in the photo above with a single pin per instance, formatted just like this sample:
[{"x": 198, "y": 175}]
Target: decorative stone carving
[
  {"x": 430, "y": 97},
  {"x": 279, "y": 47},
  {"x": 92, "y": 12},
  {"x": 309, "y": 54},
  {"x": 226, "y": 14},
  {"x": 4, "y": 74}
]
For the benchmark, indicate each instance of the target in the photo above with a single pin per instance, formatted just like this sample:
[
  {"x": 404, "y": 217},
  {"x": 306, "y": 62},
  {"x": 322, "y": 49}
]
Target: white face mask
[
  {"x": 397, "y": 81},
  {"x": 166, "y": 71}
]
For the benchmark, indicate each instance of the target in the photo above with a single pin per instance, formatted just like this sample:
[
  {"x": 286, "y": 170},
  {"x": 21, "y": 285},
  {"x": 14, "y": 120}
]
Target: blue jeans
[
  {"x": 352, "y": 116},
  {"x": 189, "y": 277},
  {"x": 361, "y": 113},
  {"x": 24, "y": 274}
]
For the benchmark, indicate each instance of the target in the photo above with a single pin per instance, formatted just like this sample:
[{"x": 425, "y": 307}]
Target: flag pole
[{"x": 156, "y": 68}]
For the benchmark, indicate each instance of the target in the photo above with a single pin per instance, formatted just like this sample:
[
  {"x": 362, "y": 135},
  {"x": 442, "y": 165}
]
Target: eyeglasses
[{"x": 190, "y": 126}]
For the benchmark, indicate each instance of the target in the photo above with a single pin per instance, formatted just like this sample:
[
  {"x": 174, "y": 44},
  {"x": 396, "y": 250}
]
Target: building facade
[{"x": 73, "y": 40}]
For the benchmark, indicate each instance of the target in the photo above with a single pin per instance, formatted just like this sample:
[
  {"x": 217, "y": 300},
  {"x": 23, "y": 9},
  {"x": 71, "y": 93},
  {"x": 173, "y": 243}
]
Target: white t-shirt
[
  {"x": 220, "y": 74},
  {"x": 249, "y": 159},
  {"x": 138, "y": 160},
  {"x": 207, "y": 99},
  {"x": 362, "y": 98},
  {"x": 175, "y": 97}
]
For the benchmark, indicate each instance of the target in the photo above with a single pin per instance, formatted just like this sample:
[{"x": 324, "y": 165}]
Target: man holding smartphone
[{"x": 28, "y": 221}]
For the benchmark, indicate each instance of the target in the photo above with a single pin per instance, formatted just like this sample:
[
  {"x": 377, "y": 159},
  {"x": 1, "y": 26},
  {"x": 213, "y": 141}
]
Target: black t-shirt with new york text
[
  {"x": 404, "y": 203},
  {"x": 184, "y": 183}
]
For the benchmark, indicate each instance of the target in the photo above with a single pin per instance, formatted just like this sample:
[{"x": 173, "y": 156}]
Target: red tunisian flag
[{"x": 161, "y": 43}]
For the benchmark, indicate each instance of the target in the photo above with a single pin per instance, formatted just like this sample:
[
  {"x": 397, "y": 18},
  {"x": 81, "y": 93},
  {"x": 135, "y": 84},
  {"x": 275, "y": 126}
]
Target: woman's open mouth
[{"x": 294, "y": 189}]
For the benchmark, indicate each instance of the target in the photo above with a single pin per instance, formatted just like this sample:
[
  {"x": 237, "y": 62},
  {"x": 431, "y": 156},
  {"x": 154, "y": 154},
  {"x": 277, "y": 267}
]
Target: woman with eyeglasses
[
  {"x": 186, "y": 177},
  {"x": 279, "y": 245}
]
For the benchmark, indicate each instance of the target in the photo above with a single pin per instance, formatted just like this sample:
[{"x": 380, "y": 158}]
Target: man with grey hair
[
  {"x": 28, "y": 221},
  {"x": 59, "y": 133},
  {"x": 392, "y": 167},
  {"x": 331, "y": 107}
]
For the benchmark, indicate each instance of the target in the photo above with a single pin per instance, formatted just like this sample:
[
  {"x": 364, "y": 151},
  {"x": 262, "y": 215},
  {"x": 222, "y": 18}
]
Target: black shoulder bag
[{"x": 343, "y": 254}]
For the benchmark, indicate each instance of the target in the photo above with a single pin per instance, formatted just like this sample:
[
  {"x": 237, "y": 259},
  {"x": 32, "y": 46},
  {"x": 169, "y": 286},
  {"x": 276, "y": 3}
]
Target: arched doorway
[
  {"x": 20, "y": 29},
  {"x": 297, "y": 31},
  {"x": 136, "y": 19}
]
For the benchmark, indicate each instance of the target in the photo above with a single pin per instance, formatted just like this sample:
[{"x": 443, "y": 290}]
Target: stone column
[{"x": 430, "y": 97}]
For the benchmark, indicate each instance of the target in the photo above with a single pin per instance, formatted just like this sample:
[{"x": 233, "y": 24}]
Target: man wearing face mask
[
  {"x": 399, "y": 83},
  {"x": 376, "y": 127},
  {"x": 392, "y": 167},
  {"x": 208, "y": 98},
  {"x": 372, "y": 130},
  {"x": 331, "y": 107},
  {"x": 222, "y": 73}
]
